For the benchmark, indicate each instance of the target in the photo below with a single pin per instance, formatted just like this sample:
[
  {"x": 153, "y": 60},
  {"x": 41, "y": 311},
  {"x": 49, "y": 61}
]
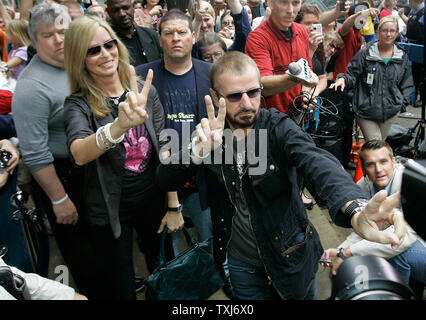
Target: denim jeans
[
  {"x": 200, "y": 218},
  {"x": 251, "y": 283},
  {"x": 412, "y": 262}
]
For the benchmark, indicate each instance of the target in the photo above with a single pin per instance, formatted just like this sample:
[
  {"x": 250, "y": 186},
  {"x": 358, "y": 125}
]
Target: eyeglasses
[
  {"x": 236, "y": 96},
  {"x": 210, "y": 57},
  {"x": 388, "y": 31},
  {"x": 109, "y": 45},
  {"x": 332, "y": 46}
]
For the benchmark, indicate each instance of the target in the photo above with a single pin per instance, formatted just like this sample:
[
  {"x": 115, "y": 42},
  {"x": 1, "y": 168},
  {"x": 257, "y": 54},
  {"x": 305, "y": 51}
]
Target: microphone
[
  {"x": 299, "y": 69},
  {"x": 294, "y": 68}
]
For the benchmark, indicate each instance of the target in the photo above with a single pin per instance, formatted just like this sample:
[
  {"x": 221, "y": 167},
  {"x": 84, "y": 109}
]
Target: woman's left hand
[
  {"x": 173, "y": 220},
  {"x": 132, "y": 111}
]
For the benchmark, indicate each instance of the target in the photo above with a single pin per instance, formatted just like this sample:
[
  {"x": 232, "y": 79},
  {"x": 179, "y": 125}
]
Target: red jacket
[{"x": 273, "y": 52}]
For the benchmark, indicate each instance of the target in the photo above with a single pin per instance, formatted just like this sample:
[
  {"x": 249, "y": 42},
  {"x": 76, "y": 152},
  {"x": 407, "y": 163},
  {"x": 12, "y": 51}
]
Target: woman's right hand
[
  {"x": 132, "y": 111},
  {"x": 339, "y": 83}
]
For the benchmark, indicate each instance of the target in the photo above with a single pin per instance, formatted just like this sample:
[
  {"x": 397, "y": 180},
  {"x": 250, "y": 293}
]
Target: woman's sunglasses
[
  {"x": 236, "y": 96},
  {"x": 109, "y": 45}
]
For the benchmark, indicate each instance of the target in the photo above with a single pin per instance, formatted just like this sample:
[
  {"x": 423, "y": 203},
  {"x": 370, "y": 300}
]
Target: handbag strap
[{"x": 189, "y": 239}]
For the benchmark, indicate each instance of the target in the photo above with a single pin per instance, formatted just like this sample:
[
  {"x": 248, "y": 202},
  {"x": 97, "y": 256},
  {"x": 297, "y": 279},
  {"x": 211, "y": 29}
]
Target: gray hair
[{"x": 49, "y": 14}]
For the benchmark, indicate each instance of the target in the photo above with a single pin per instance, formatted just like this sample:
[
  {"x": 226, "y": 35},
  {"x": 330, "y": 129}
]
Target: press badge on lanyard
[{"x": 370, "y": 77}]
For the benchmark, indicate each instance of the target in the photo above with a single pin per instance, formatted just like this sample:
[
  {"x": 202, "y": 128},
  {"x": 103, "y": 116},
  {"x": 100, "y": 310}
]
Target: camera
[
  {"x": 413, "y": 189},
  {"x": 369, "y": 278},
  {"x": 342, "y": 5},
  {"x": 4, "y": 158}
]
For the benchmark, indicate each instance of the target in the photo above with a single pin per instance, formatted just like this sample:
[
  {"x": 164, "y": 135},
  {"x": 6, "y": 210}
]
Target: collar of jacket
[
  {"x": 278, "y": 33},
  {"x": 374, "y": 54}
]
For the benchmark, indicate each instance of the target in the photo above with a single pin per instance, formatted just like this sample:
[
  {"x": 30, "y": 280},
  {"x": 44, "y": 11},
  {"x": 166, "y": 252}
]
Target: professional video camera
[{"x": 373, "y": 278}]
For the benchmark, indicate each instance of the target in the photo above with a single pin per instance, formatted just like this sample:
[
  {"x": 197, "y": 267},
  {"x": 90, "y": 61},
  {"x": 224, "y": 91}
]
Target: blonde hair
[
  {"x": 204, "y": 5},
  {"x": 388, "y": 19},
  {"x": 77, "y": 40},
  {"x": 19, "y": 29}
]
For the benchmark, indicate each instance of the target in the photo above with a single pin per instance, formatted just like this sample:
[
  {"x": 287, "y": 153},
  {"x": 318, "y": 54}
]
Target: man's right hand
[
  {"x": 65, "y": 212},
  {"x": 210, "y": 130}
]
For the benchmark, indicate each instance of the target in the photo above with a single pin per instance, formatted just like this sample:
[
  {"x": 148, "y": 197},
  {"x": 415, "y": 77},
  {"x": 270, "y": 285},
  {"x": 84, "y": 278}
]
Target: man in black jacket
[
  {"x": 141, "y": 42},
  {"x": 259, "y": 221}
]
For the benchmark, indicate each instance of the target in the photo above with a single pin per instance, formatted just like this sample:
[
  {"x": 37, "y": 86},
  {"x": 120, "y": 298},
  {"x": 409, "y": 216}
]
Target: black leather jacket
[{"x": 277, "y": 214}]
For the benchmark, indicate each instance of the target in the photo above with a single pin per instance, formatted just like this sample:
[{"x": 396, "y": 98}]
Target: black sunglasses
[
  {"x": 109, "y": 45},
  {"x": 236, "y": 96}
]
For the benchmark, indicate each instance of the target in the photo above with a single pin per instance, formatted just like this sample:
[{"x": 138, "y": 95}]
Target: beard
[{"x": 243, "y": 118}]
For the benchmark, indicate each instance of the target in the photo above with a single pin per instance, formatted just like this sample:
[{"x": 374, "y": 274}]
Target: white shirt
[{"x": 39, "y": 288}]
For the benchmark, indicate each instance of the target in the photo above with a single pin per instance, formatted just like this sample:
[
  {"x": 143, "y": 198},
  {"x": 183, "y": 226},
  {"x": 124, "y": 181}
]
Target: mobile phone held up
[
  {"x": 342, "y": 5},
  {"x": 317, "y": 27}
]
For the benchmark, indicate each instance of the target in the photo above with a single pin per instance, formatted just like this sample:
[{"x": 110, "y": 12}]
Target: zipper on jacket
[{"x": 251, "y": 226}]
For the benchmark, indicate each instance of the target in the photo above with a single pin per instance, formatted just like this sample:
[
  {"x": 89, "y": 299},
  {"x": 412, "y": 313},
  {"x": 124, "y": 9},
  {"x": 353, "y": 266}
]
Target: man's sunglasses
[
  {"x": 236, "y": 96},
  {"x": 109, "y": 45}
]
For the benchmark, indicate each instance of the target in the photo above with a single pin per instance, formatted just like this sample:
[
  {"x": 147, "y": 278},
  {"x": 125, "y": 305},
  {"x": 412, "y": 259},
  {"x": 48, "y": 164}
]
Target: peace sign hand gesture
[
  {"x": 209, "y": 131},
  {"x": 132, "y": 111}
]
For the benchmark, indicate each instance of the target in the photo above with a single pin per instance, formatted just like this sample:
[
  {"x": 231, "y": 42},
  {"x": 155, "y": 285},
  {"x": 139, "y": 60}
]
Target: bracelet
[
  {"x": 100, "y": 142},
  {"x": 54, "y": 203},
  {"x": 109, "y": 137}
]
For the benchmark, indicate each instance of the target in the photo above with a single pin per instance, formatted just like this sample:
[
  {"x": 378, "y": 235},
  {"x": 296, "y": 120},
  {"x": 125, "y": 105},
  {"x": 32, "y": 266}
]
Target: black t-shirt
[{"x": 317, "y": 67}]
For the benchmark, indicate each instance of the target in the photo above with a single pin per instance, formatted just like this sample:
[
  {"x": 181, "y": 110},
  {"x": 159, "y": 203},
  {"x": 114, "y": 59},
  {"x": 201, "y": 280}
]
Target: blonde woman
[
  {"x": 113, "y": 131},
  {"x": 380, "y": 75}
]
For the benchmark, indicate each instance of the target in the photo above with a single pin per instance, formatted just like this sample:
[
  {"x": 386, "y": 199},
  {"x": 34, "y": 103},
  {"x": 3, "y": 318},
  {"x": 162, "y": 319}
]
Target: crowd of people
[{"x": 115, "y": 115}]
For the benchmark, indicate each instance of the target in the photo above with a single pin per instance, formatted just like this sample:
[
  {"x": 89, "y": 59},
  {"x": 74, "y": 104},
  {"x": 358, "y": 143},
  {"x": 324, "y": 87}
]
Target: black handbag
[{"x": 192, "y": 275}]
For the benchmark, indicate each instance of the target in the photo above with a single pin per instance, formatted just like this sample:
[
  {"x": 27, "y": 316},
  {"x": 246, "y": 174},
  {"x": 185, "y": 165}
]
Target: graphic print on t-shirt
[{"x": 138, "y": 149}]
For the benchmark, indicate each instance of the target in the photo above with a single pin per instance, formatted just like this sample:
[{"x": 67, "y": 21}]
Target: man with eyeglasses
[
  {"x": 182, "y": 82},
  {"x": 39, "y": 118},
  {"x": 259, "y": 221},
  {"x": 141, "y": 42}
]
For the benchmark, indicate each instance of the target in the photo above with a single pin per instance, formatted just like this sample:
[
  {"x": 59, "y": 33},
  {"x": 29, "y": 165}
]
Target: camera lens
[{"x": 369, "y": 278}]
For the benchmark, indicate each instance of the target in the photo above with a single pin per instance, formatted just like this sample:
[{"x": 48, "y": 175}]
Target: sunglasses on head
[
  {"x": 109, "y": 45},
  {"x": 236, "y": 96}
]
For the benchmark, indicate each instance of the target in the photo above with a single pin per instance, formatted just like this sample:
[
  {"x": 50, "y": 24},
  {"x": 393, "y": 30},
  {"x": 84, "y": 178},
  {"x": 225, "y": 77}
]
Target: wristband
[
  {"x": 54, "y": 203},
  {"x": 108, "y": 135},
  {"x": 356, "y": 206}
]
